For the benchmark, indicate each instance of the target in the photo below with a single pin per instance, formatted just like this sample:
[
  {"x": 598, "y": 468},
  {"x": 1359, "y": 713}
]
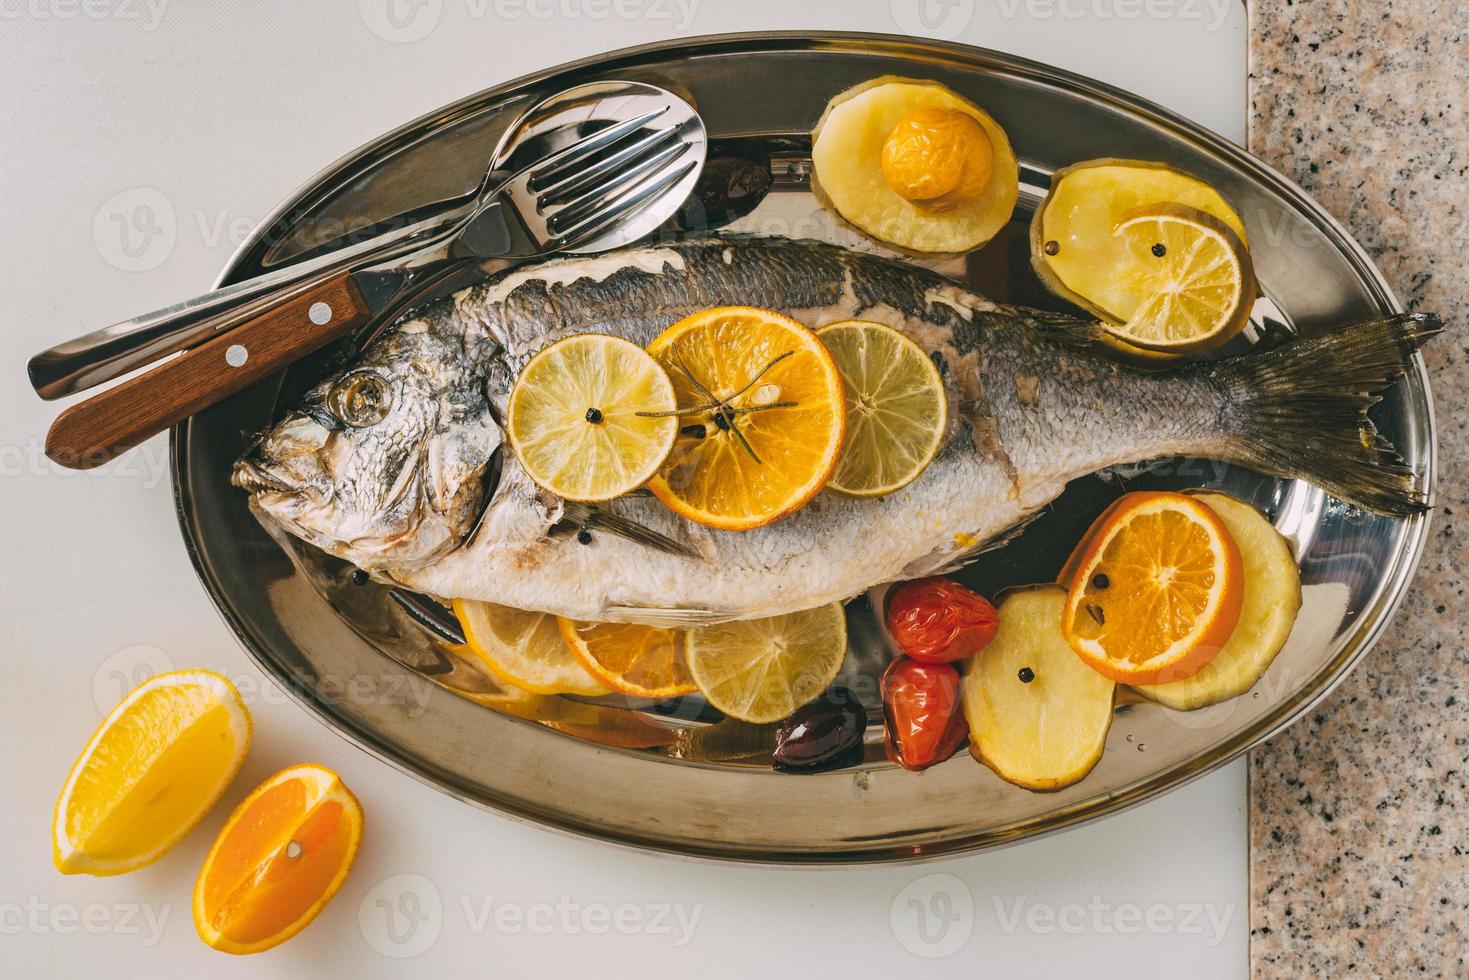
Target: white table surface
[{"x": 139, "y": 142}]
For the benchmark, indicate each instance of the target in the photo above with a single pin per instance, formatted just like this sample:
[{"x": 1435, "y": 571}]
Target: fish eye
[{"x": 360, "y": 399}]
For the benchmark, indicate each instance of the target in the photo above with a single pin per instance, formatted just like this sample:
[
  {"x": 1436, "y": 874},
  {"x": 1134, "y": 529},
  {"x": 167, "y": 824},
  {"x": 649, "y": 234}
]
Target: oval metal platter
[{"x": 664, "y": 776}]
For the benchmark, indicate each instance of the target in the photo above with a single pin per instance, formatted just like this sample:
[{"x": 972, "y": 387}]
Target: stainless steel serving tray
[{"x": 372, "y": 674}]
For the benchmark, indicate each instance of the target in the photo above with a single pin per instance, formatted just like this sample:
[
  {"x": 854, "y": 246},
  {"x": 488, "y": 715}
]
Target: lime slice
[
  {"x": 896, "y": 409},
  {"x": 524, "y": 649},
  {"x": 590, "y": 417},
  {"x": 760, "y": 670},
  {"x": 1193, "y": 277}
]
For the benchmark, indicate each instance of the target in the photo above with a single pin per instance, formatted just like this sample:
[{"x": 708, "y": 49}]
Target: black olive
[
  {"x": 823, "y": 735},
  {"x": 735, "y": 179}
]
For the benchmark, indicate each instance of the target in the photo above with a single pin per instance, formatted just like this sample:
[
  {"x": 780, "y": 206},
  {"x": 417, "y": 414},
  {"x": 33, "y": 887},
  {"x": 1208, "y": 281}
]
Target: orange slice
[
  {"x": 280, "y": 858},
  {"x": 644, "y": 661},
  {"x": 762, "y": 417},
  {"x": 1158, "y": 590}
]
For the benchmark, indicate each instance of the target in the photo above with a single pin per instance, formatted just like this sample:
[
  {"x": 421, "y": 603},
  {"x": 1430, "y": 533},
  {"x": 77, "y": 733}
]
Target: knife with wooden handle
[{"x": 92, "y": 432}]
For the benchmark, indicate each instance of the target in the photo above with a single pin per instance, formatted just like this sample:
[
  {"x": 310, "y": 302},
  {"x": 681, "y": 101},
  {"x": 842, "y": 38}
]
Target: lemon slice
[
  {"x": 590, "y": 417},
  {"x": 524, "y": 649},
  {"x": 644, "y": 661},
  {"x": 1192, "y": 276},
  {"x": 760, "y": 670},
  {"x": 150, "y": 772},
  {"x": 764, "y": 417},
  {"x": 896, "y": 409}
]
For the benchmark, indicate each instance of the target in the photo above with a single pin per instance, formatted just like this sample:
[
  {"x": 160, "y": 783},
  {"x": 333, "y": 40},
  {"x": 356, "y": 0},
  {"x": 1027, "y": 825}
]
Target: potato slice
[
  {"x": 846, "y": 155},
  {"x": 1272, "y": 599},
  {"x": 1048, "y": 731},
  {"x": 1072, "y": 245}
]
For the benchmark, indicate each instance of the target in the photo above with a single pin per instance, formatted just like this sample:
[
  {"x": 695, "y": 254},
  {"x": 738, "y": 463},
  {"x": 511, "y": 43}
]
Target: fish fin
[
  {"x": 1302, "y": 410},
  {"x": 668, "y": 617},
  {"x": 958, "y": 559},
  {"x": 1062, "y": 329},
  {"x": 586, "y": 515}
]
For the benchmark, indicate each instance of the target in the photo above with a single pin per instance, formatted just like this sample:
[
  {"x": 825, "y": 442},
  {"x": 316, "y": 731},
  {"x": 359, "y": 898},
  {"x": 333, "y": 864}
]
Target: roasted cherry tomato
[
  {"x": 923, "y": 719},
  {"x": 937, "y": 620}
]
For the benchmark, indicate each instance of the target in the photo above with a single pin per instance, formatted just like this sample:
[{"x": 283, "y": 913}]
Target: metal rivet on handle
[
  {"x": 236, "y": 355},
  {"x": 320, "y": 313}
]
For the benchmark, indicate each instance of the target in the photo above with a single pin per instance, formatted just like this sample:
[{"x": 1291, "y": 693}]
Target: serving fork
[{"x": 611, "y": 162}]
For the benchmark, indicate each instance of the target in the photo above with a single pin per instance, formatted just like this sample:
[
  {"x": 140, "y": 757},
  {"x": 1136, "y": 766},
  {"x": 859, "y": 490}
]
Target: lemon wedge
[{"x": 150, "y": 772}]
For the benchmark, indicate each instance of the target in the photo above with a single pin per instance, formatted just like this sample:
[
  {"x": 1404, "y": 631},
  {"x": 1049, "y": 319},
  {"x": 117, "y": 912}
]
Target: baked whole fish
[{"x": 396, "y": 464}]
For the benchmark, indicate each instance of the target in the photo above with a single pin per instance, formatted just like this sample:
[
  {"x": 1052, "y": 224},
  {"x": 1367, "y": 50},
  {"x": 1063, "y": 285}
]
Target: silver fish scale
[{"x": 1024, "y": 420}]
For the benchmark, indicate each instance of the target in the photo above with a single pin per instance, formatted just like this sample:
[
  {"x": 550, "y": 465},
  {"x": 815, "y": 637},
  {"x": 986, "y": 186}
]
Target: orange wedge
[
  {"x": 1158, "y": 590},
  {"x": 762, "y": 417},
  {"x": 644, "y": 661},
  {"x": 279, "y": 859}
]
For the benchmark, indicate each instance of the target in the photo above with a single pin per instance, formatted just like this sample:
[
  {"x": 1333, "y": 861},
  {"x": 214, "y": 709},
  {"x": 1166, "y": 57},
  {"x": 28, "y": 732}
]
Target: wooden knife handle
[{"x": 90, "y": 433}]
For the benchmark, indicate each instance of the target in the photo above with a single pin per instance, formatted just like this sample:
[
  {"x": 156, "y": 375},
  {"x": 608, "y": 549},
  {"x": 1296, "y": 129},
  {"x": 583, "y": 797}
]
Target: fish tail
[{"x": 1302, "y": 410}]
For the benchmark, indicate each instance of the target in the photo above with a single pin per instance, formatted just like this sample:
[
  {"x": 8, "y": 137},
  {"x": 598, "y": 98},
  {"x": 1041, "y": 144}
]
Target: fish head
[{"x": 387, "y": 464}]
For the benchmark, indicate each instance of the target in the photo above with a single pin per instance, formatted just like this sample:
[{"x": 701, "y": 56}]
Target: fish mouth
[{"x": 254, "y": 478}]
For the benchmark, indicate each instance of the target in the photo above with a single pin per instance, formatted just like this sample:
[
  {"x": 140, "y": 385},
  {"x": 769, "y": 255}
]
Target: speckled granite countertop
[{"x": 1359, "y": 815}]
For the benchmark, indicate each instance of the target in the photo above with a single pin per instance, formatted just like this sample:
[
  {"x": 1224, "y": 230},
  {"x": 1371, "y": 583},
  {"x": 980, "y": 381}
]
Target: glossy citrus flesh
[
  {"x": 764, "y": 418},
  {"x": 1158, "y": 591},
  {"x": 1038, "y": 716},
  {"x": 278, "y": 860},
  {"x": 1073, "y": 245},
  {"x": 590, "y": 417},
  {"x": 915, "y": 165},
  {"x": 1192, "y": 277},
  {"x": 643, "y": 661},
  {"x": 1272, "y": 600},
  {"x": 157, "y": 763},
  {"x": 523, "y": 649},
  {"x": 895, "y": 403},
  {"x": 760, "y": 670}
]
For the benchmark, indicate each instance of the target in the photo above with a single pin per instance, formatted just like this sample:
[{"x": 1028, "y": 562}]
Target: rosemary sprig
[{"x": 723, "y": 412}]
